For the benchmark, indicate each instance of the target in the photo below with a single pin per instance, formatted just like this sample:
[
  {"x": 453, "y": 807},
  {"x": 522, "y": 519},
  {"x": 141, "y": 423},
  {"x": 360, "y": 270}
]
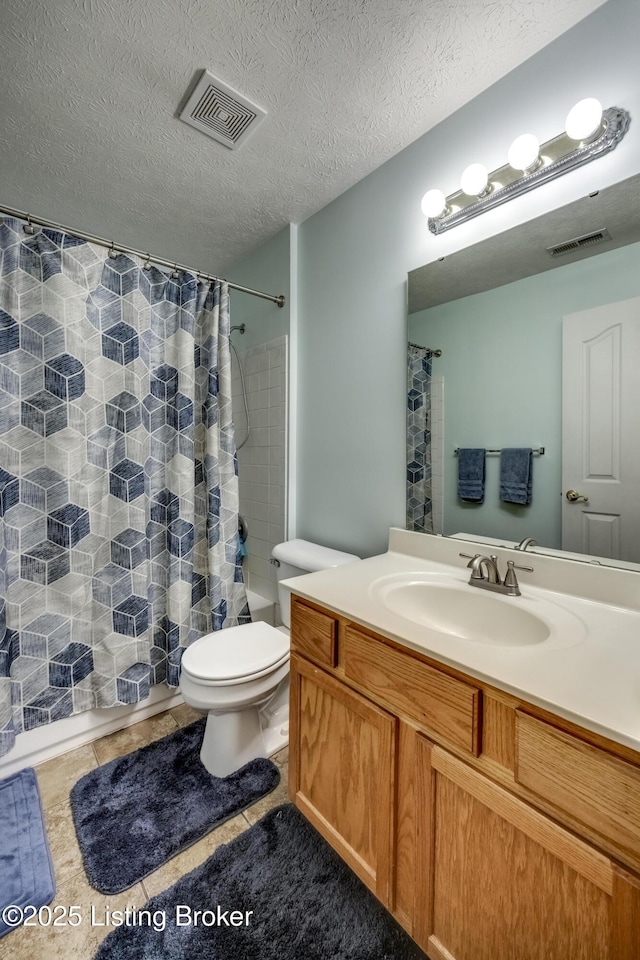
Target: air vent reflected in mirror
[{"x": 579, "y": 243}]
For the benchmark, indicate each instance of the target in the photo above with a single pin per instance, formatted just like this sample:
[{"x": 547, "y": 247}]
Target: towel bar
[{"x": 539, "y": 451}]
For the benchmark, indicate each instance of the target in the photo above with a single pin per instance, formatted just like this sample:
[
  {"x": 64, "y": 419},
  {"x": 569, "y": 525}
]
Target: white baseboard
[{"x": 44, "y": 743}]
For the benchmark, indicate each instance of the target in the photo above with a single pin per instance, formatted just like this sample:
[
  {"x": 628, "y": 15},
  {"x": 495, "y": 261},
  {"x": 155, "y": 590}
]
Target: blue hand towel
[
  {"x": 471, "y": 462},
  {"x": 515, "y": 474}
]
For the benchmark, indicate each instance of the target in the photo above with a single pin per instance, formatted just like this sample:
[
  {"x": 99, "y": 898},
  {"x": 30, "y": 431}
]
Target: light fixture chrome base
[{"x": 558, "y": 156}]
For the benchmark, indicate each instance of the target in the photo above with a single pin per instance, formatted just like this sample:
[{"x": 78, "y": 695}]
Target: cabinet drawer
[
  {"x": 422, "y": 693},
  {"x": 314, "y": 634},
  {"x": 592, "y": 786}
]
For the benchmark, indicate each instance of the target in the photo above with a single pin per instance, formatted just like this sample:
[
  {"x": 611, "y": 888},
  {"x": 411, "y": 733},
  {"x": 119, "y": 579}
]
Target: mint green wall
[
  {"x": 502, "y": 366},
  {"x": 267, "y": 269},
  {"x": 355, "y": 253}
]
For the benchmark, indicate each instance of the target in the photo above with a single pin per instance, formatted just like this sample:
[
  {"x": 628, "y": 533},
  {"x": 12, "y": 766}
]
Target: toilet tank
[{"x": 296, "y": 557}]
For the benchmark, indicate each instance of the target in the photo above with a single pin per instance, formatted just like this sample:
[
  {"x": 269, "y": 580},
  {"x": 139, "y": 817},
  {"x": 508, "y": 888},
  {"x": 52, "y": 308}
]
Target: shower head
[{"x": 242, "y": 327}]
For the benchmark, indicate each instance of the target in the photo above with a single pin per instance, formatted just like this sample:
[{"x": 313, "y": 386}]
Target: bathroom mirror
[{"x": 498, "y": 311}]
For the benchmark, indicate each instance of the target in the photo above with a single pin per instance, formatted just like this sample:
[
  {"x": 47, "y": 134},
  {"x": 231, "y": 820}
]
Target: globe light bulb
[
  {"x": 474, "y": 180},
  {"x": 584, "y": 120},
  {"x": 433, "y": 203},
  {"x": 523, "y": 152}
]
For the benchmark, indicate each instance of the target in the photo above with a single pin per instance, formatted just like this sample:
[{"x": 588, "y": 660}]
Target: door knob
[{"x": 573, "y": 496}]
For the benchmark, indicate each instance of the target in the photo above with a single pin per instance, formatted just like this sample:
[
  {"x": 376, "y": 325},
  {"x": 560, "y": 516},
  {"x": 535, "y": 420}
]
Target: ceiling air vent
[
  {"x": 221, "y": 112},
  {"x": 579, "y": 243}
]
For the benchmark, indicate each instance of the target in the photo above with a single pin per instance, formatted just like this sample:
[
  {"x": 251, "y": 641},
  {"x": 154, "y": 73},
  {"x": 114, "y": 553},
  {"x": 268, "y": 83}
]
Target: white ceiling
[{"x": 91, "y": 92}]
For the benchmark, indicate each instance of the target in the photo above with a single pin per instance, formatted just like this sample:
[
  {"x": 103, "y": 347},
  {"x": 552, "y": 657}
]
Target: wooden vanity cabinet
[
  {"x": 498, "y": 880},
  {"x": 342, "y": 771},
  {"x": 434, "y": 789}
]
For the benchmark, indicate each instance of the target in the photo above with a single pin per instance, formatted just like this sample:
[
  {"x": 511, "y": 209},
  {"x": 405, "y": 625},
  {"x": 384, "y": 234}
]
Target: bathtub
[{"x": 261, "y": 608}]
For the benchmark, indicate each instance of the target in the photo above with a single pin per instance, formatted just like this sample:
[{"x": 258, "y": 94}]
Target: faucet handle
[
  {"x": 474, "y": 565},
  {"x": 510, "y": 579}
]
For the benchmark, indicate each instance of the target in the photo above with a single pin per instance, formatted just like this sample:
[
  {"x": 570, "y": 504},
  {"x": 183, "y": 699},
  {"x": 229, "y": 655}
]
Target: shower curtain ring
[
  {"x": 28, "y": 227},
  {"x": 112, "y": 251},
  {"x": 147, "y": 264},
  {"x": 175, "y": 273}
]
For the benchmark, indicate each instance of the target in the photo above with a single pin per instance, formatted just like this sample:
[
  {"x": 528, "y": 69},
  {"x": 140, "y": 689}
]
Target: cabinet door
[
  {"x": 498, "y": 880},
  {"x": 341, "y": 771}
]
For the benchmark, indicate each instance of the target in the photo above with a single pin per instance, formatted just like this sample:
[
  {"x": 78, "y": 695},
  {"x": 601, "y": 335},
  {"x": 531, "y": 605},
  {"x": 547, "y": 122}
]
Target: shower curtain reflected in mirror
[
  {"x": 419, "y": 493},
  {"x": 118, "y": 477}
]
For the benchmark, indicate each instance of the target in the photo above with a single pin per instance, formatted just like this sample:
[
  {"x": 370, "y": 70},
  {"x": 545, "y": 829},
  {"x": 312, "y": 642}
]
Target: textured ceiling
[{"x": 91, "y": 92}]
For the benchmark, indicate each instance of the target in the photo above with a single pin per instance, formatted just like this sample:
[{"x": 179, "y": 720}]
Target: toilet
[{"x": 240, "y": 676}]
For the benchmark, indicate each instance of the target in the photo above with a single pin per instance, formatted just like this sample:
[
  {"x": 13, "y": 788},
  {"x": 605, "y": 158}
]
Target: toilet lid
[{"x": 236, "y": 652}]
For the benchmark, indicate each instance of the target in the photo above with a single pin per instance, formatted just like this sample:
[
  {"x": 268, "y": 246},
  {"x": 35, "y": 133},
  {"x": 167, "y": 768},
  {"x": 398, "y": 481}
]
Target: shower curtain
[
  {"x": 419, "y": 503},
  {"x": 118, "y": 476}
]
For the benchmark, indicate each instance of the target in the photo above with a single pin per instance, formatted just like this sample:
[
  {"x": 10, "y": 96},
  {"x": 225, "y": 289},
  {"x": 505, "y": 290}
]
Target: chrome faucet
[
  {"x": 492, "y": 581},
  {"x": 476, "y": 565},
  {"x": 527, "y": 542}
]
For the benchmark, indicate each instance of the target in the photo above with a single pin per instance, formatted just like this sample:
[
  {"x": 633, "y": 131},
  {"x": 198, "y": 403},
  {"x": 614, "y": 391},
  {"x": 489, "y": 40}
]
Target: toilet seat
[
  {"x": 248, "y": 652},
  {"x": 206, "y": 682}
]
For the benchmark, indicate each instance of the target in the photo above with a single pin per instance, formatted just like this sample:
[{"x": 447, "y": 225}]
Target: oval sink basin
[{"x": 469, "y": 613}]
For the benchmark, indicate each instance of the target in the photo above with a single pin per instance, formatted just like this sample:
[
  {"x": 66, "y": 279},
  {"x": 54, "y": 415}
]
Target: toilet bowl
[
  {"x": 233, "y": 674},
  {"x": 240, "y": 676}
]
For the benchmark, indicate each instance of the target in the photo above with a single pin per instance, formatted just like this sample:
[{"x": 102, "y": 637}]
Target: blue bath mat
[
  {"x": 136, "y": 812},
  {"x": 26, "y": 871},
  {"x": 276, "y": 892}
]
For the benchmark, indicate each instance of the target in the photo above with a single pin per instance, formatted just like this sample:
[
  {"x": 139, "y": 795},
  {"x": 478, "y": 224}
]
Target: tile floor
[{"x": 56, "y": 778}]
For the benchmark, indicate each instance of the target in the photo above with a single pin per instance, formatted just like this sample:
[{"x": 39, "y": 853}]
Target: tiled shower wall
[
  {"x": 437, "y": 453},
  {"x": 262, "y": 461}
]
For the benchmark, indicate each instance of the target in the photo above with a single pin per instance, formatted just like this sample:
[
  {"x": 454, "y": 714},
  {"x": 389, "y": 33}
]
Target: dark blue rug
[
  {"x": 26, "y": 871},
  {"x": 136, "y": 812},
  {"x": 302, "y": 901}
]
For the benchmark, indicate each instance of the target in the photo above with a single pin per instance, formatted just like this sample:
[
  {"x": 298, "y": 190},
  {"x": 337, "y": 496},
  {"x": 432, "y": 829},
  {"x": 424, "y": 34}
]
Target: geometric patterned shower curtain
[
  {"x": 118, "y": 479},
  {"x": 419, "y": 496}
]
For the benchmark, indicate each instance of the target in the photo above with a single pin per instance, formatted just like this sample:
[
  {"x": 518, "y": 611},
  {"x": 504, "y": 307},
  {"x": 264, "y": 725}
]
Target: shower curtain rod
[
  {"x": 436, "y": 353},
  {"x": 30, "y": 220}
]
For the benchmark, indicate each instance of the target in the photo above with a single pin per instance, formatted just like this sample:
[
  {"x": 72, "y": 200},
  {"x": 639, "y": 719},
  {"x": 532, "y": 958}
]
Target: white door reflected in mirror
[{"x": 600, "y": 449}]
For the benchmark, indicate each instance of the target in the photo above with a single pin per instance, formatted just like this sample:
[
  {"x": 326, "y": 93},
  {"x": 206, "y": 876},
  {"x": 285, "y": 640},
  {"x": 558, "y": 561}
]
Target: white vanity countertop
[{"x": 594, "y": 680}]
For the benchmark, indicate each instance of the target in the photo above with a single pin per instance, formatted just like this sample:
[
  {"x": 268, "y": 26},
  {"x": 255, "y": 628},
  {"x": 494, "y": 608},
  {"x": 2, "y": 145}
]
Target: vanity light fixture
[
  {"x": 524, "y": 153},
  {"x": 584, "y": 121},
  {"x": 434, "y": 203},
  {"x": 590, "y": 132},
  {"x": 475, "y": 181}
]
